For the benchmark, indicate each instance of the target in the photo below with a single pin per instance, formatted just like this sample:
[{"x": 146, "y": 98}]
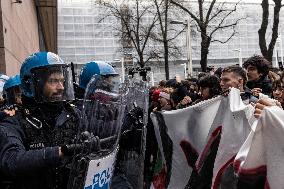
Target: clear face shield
[
  {"x": 103, "y": 110},
  {"x": 53, "y": 83},
  {"x": 13, "y": 95},
  {"x": 2, "y": 82}
]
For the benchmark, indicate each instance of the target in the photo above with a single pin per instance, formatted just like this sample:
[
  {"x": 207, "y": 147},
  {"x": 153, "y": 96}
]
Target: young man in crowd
[
  {"x": 257, "y": 72},
  {"x": 235, "y": 76}
]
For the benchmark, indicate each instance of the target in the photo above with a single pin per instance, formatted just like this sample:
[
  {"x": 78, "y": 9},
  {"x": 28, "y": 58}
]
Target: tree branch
[
  {"x": 217, "y": 13},
  {"x": 274, "y": 36},
  {"x": 263, "y": 28},
  {"x": 220, "y": 26},
  {"x": 200, "y": 6},
  {"x": 186, "y": 10},
  {"x": 209, "y": 11},
  {"x": 228, "y": 39}
]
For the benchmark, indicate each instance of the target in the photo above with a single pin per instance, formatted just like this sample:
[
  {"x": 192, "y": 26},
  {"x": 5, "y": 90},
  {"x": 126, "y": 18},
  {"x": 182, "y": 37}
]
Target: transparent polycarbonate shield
[
  {"x": 103, "y": 110},
  {"x": 133, "y": 137},
  {"x": 3, "y": 79},
  {"x": 53, "y": 83},
  {"x": 102, "y": 114},
  {"x": 137, "y": 94}
]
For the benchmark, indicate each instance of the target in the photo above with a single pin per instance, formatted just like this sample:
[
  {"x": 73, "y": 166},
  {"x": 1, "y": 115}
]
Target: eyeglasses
[{"x": 54, "y": 81}]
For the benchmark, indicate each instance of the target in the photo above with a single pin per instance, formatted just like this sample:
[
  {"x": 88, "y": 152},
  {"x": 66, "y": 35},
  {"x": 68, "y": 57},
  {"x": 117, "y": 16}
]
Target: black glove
[{"x": 87, "y": 143}]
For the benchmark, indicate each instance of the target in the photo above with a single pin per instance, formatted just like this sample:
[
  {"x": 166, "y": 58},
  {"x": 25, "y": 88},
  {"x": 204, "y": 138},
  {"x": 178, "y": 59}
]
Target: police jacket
[{"x": 29, "y": 152}]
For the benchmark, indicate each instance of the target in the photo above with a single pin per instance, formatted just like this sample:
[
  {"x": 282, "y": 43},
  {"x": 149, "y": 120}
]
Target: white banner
[
  {"x": 211, "y": 130},
  {"x": 260, "y": 161}
]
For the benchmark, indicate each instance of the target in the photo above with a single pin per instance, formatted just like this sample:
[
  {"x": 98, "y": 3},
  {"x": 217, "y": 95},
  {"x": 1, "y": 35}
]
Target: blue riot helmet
[
  {"x": 3, "y": 79},
  {"x": 95, "y": 68},
  {"x": 12, "y": 90},
  {"x": 46, "y": 78}
]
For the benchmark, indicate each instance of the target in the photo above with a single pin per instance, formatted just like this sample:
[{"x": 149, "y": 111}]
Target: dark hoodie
[
  {"x": 264, "y": 83},
  {"x": 247, "y": 96}
]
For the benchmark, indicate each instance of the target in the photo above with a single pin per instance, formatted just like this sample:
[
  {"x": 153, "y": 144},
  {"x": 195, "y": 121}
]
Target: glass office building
[{"x": 83, "y": 36}]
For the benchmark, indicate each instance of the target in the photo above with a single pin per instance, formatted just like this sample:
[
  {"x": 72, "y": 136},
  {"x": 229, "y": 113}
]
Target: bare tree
[
  {"x": 267, "y": 52},
  {"x": 210, "y": 18},
  {"x": 134, "y": 30},
  {"x": 166, "y": 35},
  {"x": 163, "y": 26}
]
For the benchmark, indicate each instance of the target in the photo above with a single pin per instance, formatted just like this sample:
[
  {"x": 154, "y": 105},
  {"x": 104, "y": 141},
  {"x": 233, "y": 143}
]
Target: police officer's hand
[{"x": 87, "y": 143}]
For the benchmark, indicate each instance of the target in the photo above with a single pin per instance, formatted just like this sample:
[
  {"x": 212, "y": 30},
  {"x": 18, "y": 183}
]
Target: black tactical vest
[{"x": 39, "y": 135}]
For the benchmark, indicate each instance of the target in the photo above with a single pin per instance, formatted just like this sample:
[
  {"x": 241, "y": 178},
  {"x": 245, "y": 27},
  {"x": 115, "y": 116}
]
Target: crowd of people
[
  {"x": 253, "y": 79},
  {"x": 40, "y": 118}
]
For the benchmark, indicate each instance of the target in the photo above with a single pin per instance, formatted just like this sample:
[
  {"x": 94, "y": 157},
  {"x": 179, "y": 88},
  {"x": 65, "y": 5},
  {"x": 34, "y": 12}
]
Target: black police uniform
[{"x": 29, "y": 153}]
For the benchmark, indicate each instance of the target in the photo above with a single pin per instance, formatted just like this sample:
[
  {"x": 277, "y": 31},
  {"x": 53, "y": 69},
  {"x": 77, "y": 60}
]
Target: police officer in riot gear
[
  {"x": 30, "y": 152},
  {"x": 12, "y": 90},
  {"x": 130, "y": 140},
  {"x": 103, "y": 109},
  {"x": 101, "y": 77},
  {"x": 87, "y": 72},
  {"x": 3, "y": 79},
  {"x": 12, "y": 93}
]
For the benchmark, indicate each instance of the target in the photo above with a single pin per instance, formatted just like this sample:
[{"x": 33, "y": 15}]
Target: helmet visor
[
  {"x": 2, "y": 82},
  {"x": 103, "y": 110},
  {"x": 13, "y": 95},
  {"x": 53, "y": 83}
]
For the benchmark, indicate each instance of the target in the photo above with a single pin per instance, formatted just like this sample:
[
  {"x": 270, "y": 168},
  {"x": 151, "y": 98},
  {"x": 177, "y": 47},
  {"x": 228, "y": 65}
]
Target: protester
[
  {"x": 209, "y": 86},
  {"x": 185, "y": 102},
  {"x": 278, "y": 93},
  {"x": 162, "y": 84},
  {"x": 235, "y": 76},
  {"x": 218, "y": 72},
  {"x": 164, "y": 99},
  {"x": 257, "y": 72},
  {"x": 181, "y": 97},
  {"x": 192, "y": 87},
  {"x": 202, "y": 74},
  {"x": 154, "y": 99},
  {"x": 262, "y": 103}
]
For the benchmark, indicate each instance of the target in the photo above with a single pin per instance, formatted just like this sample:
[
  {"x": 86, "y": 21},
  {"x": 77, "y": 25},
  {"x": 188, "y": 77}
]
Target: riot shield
[
  {"x": 103, "y": 111},
  {"x": 133, "y": 138}
]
